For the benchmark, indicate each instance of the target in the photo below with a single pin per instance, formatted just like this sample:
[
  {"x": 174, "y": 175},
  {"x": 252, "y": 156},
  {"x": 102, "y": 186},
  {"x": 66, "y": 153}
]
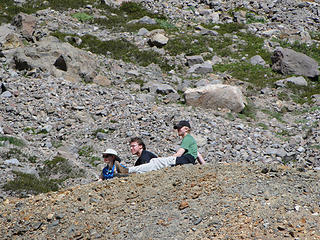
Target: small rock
[{"x": 184, "y": 204}]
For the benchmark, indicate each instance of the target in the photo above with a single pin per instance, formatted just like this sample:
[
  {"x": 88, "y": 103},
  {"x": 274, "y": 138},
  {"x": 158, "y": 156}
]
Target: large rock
[
  {"x": 193, "y": 60},
  {"x": 298, "y": 81},
  {"x": 11, "y": 41},
  {"x": 159, "y": 88},
  {"x": 143, "y": 20},
  {"x": 26, "y": 23},
  {"x": 8, "y": 38},
  {"x": 290, "y": 62},
  {"x": 52, "y": 56},
  {"x": 113, "y": 3},
  {"x": 158, "y": 40},
  {"x": 203, "y": 68},
  {"x": 216, "y": 96}
]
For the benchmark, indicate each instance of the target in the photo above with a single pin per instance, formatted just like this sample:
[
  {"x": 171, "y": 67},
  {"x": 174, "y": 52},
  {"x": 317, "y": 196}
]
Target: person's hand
[{"x": 99, "y": 180}]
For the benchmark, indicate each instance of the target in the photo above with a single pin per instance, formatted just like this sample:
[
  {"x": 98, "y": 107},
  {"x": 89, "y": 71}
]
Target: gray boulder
[
  {"x": 290, "y": 62},
  {"x": 8, "y": 38},
  {"x": 26, "y": 23},
  {"x": 113, "y": 3},
  {"x": 209, "y": 32},
  {"x": 193, "y": 60},
  {"x": 257, "y": 60},
  {"x": 216, "y": 96},
  {"x": 159, "y": 88},
  {"x": 216, "y": 60},
  {"x": 12, "y": 161},
  {"x": 203, "y": 68},
  {"x": 143, "y": 20},
  {"x": 142, "y": 32},
  {"x": 158, "y": 40},
  {"x": 299, "y": 81},
  {"x": 54, "y": 57}
]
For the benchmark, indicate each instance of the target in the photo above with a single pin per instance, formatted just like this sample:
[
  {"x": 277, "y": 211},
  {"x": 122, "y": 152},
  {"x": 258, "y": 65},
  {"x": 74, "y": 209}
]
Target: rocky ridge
[{"x": 215, "y": 201}]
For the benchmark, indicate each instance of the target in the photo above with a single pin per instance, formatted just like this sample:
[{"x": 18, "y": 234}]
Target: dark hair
[{"x": 139, "y": 141}]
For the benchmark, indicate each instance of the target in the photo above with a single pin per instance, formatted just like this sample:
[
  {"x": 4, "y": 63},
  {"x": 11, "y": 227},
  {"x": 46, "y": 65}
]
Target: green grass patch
[
  {"x": 119, "y": 49},
  {"x": 18, "y": 154},
  {"x": 127, "y": 11},
  {"x": 303, "y": 94},
  {"x": 253, "y": 46},
  {"x": 284, "y": 132},
  {"x": 255, "y": 74},
  {"x": 283, "y": 96},
  {"x": 249, "y": 111},
  {"x": 31, "y": 184},
  {"x": 65, "y": 5},
  {"x": 86, "y": 151},
  {"x": 34, "y": 131},
  {"x": 230, "y": 116},
  {"x": 165, "y": 24},
  {"x": 273, "y": 114},
  {"x": 315, "y": 35},
  {"x": 197, "y": 44},
  {"x": 138, "y": 81},
  {"x": 226, "y": 28},
  {"x": 55, "y": 161},
  {"x": 32, "y": 159},
  {"x": 116, "y": 19},
  {"x": 100, "y": 130},
  {"x": 307, "y": 110},
  {"x": 8, "y": 8},
  {"x": 12, "y": 140},
  {"x": 94, "y": 161},
  {"x": 12, "y": 153},
  {"x": 57, "y": 144},
  {"x": 253, "y": 18},
  {"x": 136, "y": 10},
  {"x": 82, "y": 17},
  {"x": 30, "y": 130},
  {"x": 61, "y": 166},
  {"x": 263, "y": 126},
  {"x": 315, "y": 147}
]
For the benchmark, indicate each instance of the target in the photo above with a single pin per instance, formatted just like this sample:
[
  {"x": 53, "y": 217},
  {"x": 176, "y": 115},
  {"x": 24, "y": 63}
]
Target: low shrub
[
  {"x": 258, "y": 75},
  {"x": 61, "y": 167},
  {"x": 12, "y": 140},
  {"x": 30, "y": 184},
  {"x": 273, "y": 114},
  {"x": 82, "y": 17},
  {"x": 85, "y": 151},
  {"x": 249, "y": 111}
]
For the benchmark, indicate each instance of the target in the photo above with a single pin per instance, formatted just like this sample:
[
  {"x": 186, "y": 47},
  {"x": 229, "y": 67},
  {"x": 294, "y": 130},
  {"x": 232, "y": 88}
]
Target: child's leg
[{"x": 154, "y": 164}]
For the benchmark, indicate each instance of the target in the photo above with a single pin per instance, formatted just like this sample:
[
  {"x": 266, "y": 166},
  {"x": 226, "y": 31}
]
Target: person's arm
[
  {"x": 100, "y": 178},
  {"x": 179, "y": 153},
  {"x": 200, "y": 159}
]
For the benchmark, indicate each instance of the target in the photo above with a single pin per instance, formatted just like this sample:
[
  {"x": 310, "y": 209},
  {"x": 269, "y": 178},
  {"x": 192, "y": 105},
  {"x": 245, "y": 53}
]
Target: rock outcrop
[
  {"x": 216, "y": 96},
  {"x": 290, "y": 62}
]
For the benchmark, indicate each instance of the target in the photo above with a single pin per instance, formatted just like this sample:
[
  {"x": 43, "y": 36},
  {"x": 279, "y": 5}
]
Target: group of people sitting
[{"x": 148, "y": 161}]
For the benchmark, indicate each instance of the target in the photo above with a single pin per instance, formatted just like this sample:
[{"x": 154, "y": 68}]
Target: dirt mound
[{"x": 223, "y": 201}]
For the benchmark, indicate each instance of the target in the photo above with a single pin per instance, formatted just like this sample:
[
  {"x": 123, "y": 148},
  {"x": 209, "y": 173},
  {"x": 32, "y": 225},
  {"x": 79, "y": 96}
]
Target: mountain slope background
[{"x": 83, "y": 76}]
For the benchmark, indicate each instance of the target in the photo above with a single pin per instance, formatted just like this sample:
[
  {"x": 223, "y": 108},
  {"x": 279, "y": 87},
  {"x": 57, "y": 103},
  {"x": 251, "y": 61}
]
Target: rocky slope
[
  {"x": 62, "y": 106},
  {"x": 214, "y": 201}
]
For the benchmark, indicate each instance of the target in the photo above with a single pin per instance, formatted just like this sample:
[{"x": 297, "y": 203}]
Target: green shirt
[{"x": 189, "y": 144}]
